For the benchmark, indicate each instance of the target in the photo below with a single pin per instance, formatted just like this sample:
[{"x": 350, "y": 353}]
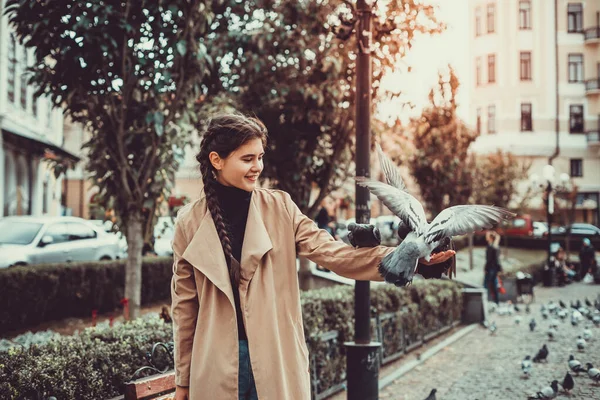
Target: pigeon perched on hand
[
  {"x": 526, "y": 366},
  {"x": 423, "y": 238},
  {"x": 541, "y": 355},
  {"x": 548, "y": 392},
  {"x": 575, "y": 365}
]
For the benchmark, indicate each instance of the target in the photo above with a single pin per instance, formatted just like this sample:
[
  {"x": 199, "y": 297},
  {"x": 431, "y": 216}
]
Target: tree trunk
[
  {"x": 304, "y": 274},
  {"x": 133, "y": 267}
]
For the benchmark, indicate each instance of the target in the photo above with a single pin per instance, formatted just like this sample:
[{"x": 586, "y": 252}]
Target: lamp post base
[{"x": 362, "y": 366}]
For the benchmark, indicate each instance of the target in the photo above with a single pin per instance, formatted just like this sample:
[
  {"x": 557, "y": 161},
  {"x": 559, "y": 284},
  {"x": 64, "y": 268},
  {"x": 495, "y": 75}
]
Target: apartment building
[{"x": 536, "y": 68}]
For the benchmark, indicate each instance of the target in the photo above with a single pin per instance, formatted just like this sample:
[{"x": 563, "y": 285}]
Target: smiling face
[{"x": 242, "y": 167}]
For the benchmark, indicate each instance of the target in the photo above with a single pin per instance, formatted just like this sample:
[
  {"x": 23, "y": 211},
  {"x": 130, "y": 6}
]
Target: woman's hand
[
  {"x": 438, "y": 257},
  {"x": 182, "y": 393}
]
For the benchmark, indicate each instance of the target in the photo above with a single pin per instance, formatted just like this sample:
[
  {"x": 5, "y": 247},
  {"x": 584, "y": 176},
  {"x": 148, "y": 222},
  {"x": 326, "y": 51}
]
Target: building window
[
  {"x": 24, "y": 78},
  {"x": 478, "y": 71},
  {"x": 524, "y": 14},
  {"x": 575, "y": 17},
  {"x": 525, "y": 65},
  {"x": 12, "y": 67},
  {"x": 576, "y": 167},
  {"x": 526, "y": 124},
  {"x": 575, "y": 67},
  {"x": 478, "y": 21},
  {"x": 491, "y": 119},
  {"x": 576, "y": 118},
  {"x": 478, "y": 122},
  {"x": 491, "y": 68},
  {"x": 491, "y": 17}
]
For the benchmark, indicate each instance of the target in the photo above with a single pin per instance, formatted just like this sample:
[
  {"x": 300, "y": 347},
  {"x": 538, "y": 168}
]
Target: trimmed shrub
[
  {"x": 34, "y": 294},
  {"x": 96, "y": 363}
]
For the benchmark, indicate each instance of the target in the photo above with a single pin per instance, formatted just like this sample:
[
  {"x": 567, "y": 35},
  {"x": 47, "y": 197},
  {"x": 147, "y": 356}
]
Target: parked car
[
  {"x": 539, "y": 229},
  {"x": 521, "y": 225},
  {"x": 577, "y": 229},
  {"x": 28, "y": 240},
  {"x": 111, "y": 228}
]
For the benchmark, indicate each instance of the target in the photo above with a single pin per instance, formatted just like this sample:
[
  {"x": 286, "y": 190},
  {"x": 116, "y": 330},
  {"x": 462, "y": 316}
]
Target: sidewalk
[{"x": 485, "y": 367}]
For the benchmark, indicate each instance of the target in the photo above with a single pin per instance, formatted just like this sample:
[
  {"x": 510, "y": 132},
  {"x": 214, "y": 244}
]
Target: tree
[
  {"x": 291, "y": 63},
  {"x": 495, "y": 179},
  {"x": 439, "y": 162},
  {"x": 130, "y": 72}
]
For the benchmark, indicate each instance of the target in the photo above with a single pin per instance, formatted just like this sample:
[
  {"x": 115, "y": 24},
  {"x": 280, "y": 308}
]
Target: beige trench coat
[{"x": 203, "y": 310}]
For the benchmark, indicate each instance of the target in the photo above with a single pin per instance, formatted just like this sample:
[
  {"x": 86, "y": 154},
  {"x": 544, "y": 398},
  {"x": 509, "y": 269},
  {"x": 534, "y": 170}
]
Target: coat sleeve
[
  {"x": 318, "y": 246},
  {"x": 184, "y": 308}
]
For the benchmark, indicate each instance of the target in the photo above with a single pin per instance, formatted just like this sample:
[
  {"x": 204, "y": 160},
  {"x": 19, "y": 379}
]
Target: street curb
[{"x": 389, "y": 379}]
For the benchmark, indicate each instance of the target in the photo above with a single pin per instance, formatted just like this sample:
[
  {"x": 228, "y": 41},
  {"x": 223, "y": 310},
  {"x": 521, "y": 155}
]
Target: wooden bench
[{"x": 155, "y": 387}]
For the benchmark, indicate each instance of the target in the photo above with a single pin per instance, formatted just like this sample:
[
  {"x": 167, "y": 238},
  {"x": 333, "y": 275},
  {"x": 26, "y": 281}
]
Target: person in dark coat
[
  {"x": 492, "y": 264},
  {"x": 587, "y": 258}
]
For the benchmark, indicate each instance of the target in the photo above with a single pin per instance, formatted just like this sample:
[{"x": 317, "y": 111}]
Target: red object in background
[
  {"x": 94, "y": 315},
  {"x": 175, "y": 201},
  {"x": 521, "y": 225},
  {"x": 125, "y": 304},
  {"x": 501, "y": 288},
  {"x": 110, "y": 322}
]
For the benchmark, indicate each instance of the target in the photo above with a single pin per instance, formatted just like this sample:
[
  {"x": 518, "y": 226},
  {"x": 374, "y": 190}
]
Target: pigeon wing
[
  {"x": 461, "y": 220},
  {"x": 391, "y": 172},
  {"x": 405, "y": 206}
]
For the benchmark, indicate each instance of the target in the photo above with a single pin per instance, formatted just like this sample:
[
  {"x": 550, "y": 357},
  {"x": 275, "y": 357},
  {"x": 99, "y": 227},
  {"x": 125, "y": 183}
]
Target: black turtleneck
[{"x": 235, "y": 204}]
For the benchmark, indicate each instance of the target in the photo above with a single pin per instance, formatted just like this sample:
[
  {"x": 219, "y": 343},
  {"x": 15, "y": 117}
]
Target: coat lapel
[
  {"x": 206, "y": 254},
  {"x": 256, "y": 241}
]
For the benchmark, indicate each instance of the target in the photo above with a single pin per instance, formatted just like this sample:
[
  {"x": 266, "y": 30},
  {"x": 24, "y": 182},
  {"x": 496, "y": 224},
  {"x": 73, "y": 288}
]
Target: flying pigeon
[
  {"x": 526, "y": 366},
  {"x": 548, "y": 392},
  {"x": 568, "y": 383},
  {"x": 423, "y": 238},
  {"x": 593, "y": 373},
  {"x": 575, "y": 365},
  {"x": 541, "y": 355}
]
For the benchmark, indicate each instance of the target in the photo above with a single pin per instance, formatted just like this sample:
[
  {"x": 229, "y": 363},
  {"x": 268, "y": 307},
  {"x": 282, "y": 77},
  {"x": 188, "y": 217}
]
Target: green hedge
[
  {"x": 34, "y": 294},
  {"x": 95, "y": 363}
]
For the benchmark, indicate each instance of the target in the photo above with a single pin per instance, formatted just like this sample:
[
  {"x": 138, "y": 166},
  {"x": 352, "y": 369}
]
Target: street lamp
[{"x": 550, "y": 185}]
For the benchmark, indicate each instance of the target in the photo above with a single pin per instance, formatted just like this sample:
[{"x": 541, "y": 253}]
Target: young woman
[
  {"x": 237, "y": 319},
  {"x": 492, "y": 264}
]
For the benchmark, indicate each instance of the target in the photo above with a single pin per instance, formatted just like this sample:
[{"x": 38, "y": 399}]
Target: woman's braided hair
[{"x": 224, "y": 134}]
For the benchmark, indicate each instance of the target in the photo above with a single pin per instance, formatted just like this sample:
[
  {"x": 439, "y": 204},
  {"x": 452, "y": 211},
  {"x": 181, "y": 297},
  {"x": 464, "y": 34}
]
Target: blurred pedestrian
[
  {"x": 587, "y": 258},
  {"x": 236, "y": 312},
  {"x": 492, "y": 264},
  {"x": 566, "y": 272}
]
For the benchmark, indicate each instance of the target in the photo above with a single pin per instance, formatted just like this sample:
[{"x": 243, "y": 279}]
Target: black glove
[{"x": 363, "y": 235}]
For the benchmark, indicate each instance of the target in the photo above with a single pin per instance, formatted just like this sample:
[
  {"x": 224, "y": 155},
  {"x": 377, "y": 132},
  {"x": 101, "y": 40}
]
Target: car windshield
[{"x": 18, "y": 232}]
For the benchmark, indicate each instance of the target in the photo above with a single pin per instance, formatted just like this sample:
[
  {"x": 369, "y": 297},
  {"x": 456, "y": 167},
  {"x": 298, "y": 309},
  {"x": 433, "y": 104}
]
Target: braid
[{"x": 212, "y": 202}]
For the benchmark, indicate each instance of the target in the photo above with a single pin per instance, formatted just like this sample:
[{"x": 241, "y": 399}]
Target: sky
[{"x": 430, "y": 54}]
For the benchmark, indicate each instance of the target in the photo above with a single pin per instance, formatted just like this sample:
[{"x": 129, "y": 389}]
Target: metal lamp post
[{"x": 549, "y": 184}]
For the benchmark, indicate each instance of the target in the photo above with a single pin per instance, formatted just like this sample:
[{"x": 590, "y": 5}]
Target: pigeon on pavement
[
  {"x": 526, "y": 366},
  {"x": 580, "y": 343},
  {"x": 593, "y": 373},
  {"x": 541, "y": 355},
  {"x": 400, "y": 266},
  {"x": 575, "y": 365},
  {"x": 568, "y": 383},
  {"x": 587, "y": 334},
  {"x": 532, "y": 325},
  {"x": 431, "y": 395},
  {"x": 493, "y": 328},
  {"x": 548, "y": 392},
  {"x": 552, "y": 333}
]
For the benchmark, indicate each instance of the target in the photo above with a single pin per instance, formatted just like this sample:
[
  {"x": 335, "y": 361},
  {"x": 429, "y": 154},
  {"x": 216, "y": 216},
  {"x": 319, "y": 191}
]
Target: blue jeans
[
  {"x": 490, "y": 282},
  {"x": 246, "y": 386}
]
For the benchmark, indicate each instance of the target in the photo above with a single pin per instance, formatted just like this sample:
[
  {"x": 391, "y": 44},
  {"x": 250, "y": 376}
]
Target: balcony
[
  {"x": 592, "y": 35},
  {"x": 592, "y": 86},
  {"x": 593, "y": 138}
]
